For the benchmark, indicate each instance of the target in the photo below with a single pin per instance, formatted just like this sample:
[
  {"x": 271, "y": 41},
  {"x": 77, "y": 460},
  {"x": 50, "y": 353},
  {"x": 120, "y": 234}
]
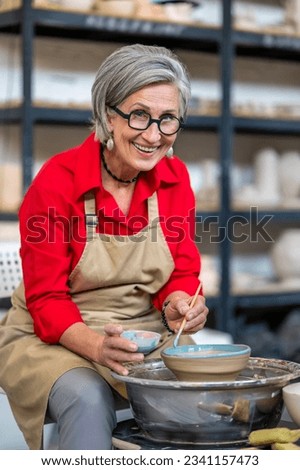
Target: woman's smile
[{"x": 144, "y": 149}]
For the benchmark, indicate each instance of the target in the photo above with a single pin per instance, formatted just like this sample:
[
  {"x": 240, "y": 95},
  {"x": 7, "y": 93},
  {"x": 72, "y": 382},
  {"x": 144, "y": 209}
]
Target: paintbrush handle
[
  {"x": 184, "y": 320},
  {"x": 196, "y": 295}
]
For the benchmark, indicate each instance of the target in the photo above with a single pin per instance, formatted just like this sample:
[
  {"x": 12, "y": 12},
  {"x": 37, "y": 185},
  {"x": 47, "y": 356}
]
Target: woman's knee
[
  {"x": 80, "y": 388},
  {"x": 82, "y": 404}
]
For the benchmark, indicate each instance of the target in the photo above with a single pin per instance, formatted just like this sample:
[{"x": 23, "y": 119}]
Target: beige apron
[{"x": 112, "y": 282}]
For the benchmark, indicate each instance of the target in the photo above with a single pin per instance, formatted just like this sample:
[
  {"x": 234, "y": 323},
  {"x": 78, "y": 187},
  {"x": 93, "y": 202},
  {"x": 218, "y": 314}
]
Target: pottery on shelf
[
  {"x": 289, "y": 175},
  {"x": 266, "y": 163},
  {"x": 285, "y": 255}
]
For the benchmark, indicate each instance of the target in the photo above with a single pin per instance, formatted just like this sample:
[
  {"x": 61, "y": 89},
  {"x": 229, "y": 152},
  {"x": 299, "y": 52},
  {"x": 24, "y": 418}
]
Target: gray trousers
[{"x": 83, "y": 406}]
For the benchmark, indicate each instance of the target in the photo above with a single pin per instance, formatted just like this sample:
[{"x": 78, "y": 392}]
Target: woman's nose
[{"x": 152, "y": 132}]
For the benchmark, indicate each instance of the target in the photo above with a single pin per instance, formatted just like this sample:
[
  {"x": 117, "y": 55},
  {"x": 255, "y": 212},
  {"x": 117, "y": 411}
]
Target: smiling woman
[
  {"x": 139, "y": 143},
  {"x": 99, "y": 255}
]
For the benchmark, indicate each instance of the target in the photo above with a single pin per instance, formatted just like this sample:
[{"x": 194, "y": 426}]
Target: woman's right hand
[
  {"x": 116, "y": 350},
  {"x": 109, "y": 349}
]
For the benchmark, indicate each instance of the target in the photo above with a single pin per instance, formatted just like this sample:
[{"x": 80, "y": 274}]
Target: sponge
[{"x": 262, "y": 437}]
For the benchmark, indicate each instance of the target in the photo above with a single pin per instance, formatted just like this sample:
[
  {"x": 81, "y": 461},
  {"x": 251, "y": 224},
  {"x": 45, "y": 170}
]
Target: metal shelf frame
[{"x": 267, "y": 300}]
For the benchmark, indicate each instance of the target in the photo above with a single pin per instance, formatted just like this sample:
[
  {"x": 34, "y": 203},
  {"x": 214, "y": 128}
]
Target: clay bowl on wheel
[
  {"x": 147, "y": 341},
  {"x": 208, "y": 362}
]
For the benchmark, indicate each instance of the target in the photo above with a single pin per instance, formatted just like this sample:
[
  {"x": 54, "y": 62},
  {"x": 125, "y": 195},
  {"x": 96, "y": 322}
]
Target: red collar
[{"x": 88, "y": 171}]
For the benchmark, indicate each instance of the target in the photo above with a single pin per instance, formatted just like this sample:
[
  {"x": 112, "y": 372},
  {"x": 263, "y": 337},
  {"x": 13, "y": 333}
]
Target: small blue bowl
[{"x": 147, "y": 341}]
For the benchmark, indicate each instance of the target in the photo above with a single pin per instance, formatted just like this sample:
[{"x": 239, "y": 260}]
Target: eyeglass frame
[{"x": 151, "y": 120}]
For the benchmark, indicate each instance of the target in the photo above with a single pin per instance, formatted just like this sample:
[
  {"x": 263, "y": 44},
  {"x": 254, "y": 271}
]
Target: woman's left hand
[{"x": 179, "y": 308}]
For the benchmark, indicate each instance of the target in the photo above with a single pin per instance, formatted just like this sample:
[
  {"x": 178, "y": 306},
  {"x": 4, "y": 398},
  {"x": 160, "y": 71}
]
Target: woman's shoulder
[
  {"x": 64, "y": 167},
  {"x": 173, "y": 166},
  {"x": 61, "y": 162}
]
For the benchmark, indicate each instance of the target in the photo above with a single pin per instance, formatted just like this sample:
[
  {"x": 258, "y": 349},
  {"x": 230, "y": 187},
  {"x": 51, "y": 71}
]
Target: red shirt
[{"x": 53, "y": 231}]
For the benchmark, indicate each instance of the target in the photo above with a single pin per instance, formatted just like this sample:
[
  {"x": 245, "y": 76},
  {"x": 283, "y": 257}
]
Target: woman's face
[{"x": 141, "y": 150}]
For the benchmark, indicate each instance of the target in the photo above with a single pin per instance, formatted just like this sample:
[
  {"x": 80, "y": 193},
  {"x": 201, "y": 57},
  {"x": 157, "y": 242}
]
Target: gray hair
[{"x": 127, "y": 70}]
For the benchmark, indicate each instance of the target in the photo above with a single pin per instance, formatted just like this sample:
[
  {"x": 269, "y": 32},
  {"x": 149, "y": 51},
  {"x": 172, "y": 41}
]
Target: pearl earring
[
  {"x": 110, "y": 143},
  {"x": 170, "y": 152}
]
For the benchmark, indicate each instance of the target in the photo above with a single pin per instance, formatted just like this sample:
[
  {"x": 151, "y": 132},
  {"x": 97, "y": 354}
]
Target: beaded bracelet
[{"x": 164, "y": 319}]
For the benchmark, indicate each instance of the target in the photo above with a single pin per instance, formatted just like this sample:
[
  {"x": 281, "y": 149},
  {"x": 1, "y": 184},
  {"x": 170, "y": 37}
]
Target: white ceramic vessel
[
  {"x": 286, "y": 255},
  {"x": 291, "y": 397}
]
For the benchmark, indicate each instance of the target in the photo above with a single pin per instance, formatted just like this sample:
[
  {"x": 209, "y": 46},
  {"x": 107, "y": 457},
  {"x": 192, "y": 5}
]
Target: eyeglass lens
[{"x": 141, "y": 120}]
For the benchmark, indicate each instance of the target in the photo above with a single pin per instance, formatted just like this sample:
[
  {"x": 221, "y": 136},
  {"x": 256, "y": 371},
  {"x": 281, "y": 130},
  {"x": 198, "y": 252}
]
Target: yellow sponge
[
  {"x": 270, "y": 436},
  {"x": 284, "y": 446}
]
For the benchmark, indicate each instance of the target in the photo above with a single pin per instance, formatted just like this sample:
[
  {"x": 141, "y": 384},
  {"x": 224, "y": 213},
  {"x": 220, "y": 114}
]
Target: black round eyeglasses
[{"x": 140, "y": 120}]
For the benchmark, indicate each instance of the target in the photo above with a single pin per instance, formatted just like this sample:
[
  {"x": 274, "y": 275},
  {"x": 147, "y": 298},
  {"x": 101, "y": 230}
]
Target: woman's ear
[{"x": 110, "y": 119}]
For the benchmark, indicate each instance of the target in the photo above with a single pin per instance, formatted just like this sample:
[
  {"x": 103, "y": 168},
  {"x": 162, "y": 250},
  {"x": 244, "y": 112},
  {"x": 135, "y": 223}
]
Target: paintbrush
[{"x": 175, "y": 343}]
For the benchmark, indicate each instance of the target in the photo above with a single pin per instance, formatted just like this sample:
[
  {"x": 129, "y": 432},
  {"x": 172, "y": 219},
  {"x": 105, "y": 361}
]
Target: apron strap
[
  {"x": 153, "y": 208},
  {"x": 91, "y": 219}
]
